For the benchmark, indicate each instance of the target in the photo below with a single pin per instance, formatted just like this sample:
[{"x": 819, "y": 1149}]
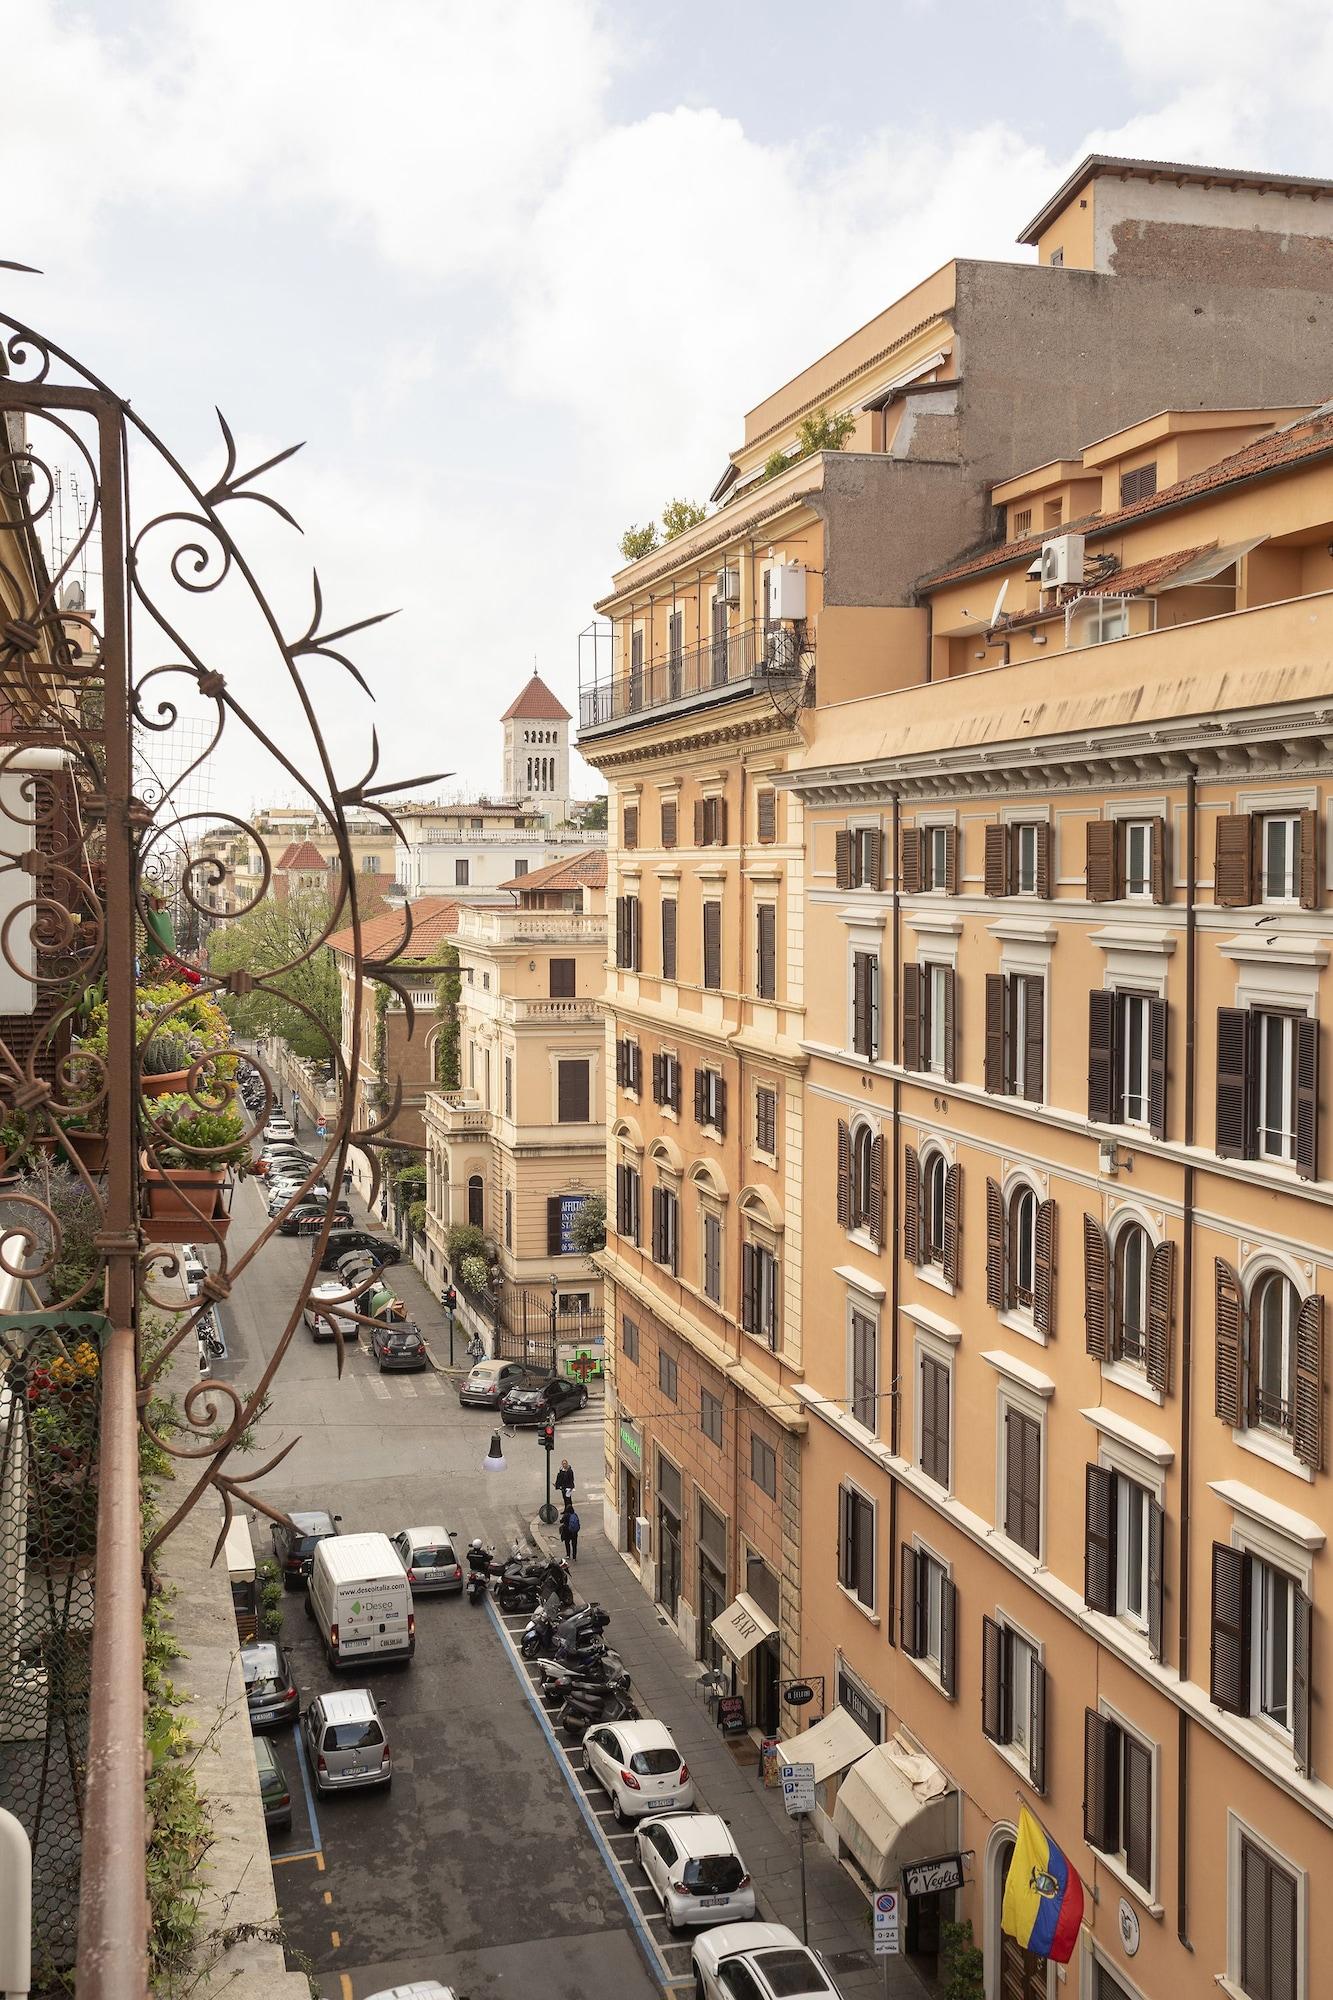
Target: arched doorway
[{"x": 1011, "y": 1972}]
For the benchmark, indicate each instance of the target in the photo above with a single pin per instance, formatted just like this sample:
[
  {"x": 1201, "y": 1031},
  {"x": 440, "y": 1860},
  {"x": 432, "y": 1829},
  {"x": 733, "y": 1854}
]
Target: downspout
[
  {"x": 1186, "y": 1362},
  {"x": 930, "y": 640},
  {"x": 895, "y": 1386}
]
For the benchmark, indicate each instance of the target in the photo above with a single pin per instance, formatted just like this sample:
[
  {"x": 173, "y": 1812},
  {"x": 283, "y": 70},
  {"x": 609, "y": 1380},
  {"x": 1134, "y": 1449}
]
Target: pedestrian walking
[
  {"x": 569, "y": 1532},
  {"x": 564, "y": 1532},
  {"x": 564, "y": 1483}
]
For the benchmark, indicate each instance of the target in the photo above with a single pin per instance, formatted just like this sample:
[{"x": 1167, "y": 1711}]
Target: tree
[
  {"x": 588, "y": 1230},
  {"x": 821, "y": 432},
  {"x": 636, "y": 542},
  {"x": 680, "y": 515},
  {"x": 592, "y": 818},
  {"x": 278, "y": 942}
]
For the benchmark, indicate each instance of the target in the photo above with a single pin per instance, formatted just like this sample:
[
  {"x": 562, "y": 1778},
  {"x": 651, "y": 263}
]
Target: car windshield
[
  {"x": 304, "y": 1545},
  {"x": 432, "y": 1558},
  {"x": 353, "y": 1735},
  {"x": 789, "y": 1972},
  {"x": 714, "y": 1874},
  {"x": 654, "y": 1763}
]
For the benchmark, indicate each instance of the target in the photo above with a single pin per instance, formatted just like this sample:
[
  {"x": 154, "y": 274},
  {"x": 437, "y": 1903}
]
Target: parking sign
[
  {"x": 887, "y": 1904},
  {"x": 798, "y": 1788}
]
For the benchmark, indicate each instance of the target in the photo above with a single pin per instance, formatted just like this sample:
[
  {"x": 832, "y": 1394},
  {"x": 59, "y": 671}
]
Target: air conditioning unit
[
  {"x": 642, "y": 1535},
  {"x": 786, "y": 591},
  {"x": 728, "y": 590},
  {"x": 1061, "y": 561}
]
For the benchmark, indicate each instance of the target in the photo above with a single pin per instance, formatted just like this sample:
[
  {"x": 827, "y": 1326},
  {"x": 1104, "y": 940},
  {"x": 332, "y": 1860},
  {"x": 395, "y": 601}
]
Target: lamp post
[{"x": 555, "y": 1294}]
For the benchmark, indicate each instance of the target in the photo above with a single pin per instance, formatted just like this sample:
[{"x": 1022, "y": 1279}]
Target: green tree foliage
[
  {"x": 593, "y": 817},
  {"x": 589, "y": 1226},
  {"x": 448, "y": 988},
  {"x": 679, "y": 515},
  {"x": 266, "y": 940},
  {"x": 636, "y": 542},
  {"x": 821, "y": 432},
  {"x": 962, "y": 1964}
]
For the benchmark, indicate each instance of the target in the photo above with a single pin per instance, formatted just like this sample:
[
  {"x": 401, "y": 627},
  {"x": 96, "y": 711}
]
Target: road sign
[
  {"x": 886, "y": 1923},
  {"x": 798, "y": 1788}
]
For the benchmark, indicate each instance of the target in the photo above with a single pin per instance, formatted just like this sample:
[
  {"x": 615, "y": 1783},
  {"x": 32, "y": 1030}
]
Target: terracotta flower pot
[
  {"x": 188, "y": 1191},
  {"x": 171, "y": 1083},
  {"x": 90, "y": 1148}
]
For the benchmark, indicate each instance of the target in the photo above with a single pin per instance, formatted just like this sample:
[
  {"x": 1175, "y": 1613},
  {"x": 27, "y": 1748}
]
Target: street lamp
[
  {"x": 555, "y": 1294},
  {"x": 494, "y": 1460}
]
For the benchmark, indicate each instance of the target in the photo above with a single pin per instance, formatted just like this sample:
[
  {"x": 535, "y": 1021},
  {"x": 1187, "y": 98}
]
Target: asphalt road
[{"x": 476, "y": 1867}]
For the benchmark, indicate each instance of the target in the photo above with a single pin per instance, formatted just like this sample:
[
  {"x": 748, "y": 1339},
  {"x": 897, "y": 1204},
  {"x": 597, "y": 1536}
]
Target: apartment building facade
[
  {"x": 1070, "y": 904},
  {"x": 519, "y": 1147}
]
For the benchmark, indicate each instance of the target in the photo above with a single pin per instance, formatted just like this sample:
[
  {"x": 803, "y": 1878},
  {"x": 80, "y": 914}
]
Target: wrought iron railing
[{"x": 717, "y": 667}]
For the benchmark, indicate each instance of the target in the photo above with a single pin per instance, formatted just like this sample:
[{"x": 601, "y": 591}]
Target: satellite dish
[
  {"x": 72, "y": 597},
  {"x": 999, "y": 602}
]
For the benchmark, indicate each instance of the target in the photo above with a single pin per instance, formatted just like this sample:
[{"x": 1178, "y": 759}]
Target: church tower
[{"x": 536, "y": 750}]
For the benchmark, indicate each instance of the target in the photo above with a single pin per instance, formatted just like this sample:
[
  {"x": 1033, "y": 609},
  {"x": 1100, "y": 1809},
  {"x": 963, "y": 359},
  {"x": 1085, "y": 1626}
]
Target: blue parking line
[
  {"x": 307, "y": 1788},
  {"x": 643, "y": 1936}
]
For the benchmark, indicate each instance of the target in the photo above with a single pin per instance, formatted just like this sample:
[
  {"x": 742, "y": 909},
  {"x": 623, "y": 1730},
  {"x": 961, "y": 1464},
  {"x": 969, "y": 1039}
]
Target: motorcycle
[
  {"x": 581, "y": 1630},
  {"x": 581, "y": 1711},
  {"x": 517, "y": 1591},
  {"x": 604, "y": 1675}
]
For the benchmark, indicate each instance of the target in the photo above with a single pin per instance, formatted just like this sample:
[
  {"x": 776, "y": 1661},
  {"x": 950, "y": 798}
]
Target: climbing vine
[{"x": 448, "y": 990}]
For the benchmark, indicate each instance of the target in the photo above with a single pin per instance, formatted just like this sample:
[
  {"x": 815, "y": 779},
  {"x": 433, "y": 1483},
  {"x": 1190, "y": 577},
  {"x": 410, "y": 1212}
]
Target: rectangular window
[
  {"x": 1024, "y": 839},
  {"x": 1280, "y": 857},
  {"x": 1027, "y": 999},
  {"x": 520, "y": 867},
  {"x": 1140, "y": 484},
  {"x": 712, "y": 946},
  {"x": 1272, "y": 1619},
  {"x": 666, "y": 1081},
  {"x": 460, "y": 874},
  {"x": 933, "y": 1389},
  {"x": 562, "y": 979},
  {"x": 628, "y": 1195},
  {"x": 1122, "y": 1556},
  {"x": 509, "y": 1086},
  {"x": 629, "y": 826},
  {"x": 629, "y": 933},
  {"x": 765, "y": 1120},
  {"x": 939, "y": 1012},
  {"x": 932, "y": 1614},
  {"x": 572, "y": 1093},
  {"x": 629, "y": 1340},
  {"x": 865, "y": 1004},
  {"x": 1104, "y": 621},
  {"x": 668, "y": 937},
  {"x": 509, "y": 1218},
  {"x": 1134, "y": 1043},
  {"x": 710, "y": 1417},
  {"x": 1260, "y": 1661},
  {"x": 667, "y": 1374},
  {"x": 859, "y": 857},
  {"x": 710, "y": 1098},
  {"x": 712, "y": 1249},
  {"x": 670, "y": 822},
  {"x": 1136, "y": 837},
  {"x": 1013, "y": 1697},
  {"x": 629, "y": 1074},
  {"x": 759, "y": 1292},
  {"x": 937, "y": 864},
  {"x": 710, "y": 822},
  {"x": 1268, "y": 1087},
  {"x": 1277, "y": 1086},
  {"x": 1268, "y": 1896},
  {"x": 763, "y": 1465},
  {"x": 864, "y": 1365},
  {"x": 766, "y": 951},
  {"x": 1022, "y": 1480},
  {"x": 856, "y": 1545}
]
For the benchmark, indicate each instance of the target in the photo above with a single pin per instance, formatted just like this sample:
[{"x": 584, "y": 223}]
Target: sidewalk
[{"x": 665, "y": 1677}]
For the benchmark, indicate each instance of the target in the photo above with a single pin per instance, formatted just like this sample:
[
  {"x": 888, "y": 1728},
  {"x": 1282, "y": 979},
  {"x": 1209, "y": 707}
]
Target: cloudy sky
[{"x": 514, "y": 269}]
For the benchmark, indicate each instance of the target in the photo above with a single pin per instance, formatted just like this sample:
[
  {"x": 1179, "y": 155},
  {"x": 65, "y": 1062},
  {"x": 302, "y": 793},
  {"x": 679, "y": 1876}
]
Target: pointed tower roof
[{"x": 536, "y": 704}]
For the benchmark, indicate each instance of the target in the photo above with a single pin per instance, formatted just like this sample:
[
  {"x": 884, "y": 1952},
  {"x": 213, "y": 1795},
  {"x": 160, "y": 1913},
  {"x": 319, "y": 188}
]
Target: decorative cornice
[{"x": 769, "y": 725}]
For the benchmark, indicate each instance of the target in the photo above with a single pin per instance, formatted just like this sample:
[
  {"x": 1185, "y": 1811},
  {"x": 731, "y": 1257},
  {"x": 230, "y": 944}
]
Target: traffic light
[
  {"x": 451, "y": 1298},
  {"x": 548, "y": 1436}
]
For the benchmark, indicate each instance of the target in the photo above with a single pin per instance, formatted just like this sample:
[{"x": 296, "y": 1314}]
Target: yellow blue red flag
[{"x": 1043, "y": 1896}]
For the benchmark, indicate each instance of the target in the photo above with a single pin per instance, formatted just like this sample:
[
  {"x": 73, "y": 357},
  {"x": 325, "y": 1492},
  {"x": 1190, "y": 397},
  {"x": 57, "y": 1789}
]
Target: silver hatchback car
[{"x": 345, "y": 1741}]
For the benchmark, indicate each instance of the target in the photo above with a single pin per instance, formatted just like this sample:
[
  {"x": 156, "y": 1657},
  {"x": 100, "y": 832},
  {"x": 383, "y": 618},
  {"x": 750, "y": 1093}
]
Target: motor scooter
[
  {"x": 605, "y": 1674},
  {"x": 555, "y": 1635},
  {"x": 582, "y": 1710}
]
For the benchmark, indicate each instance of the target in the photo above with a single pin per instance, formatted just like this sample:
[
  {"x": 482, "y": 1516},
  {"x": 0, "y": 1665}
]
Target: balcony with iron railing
[{"x": 748, "y": 659}]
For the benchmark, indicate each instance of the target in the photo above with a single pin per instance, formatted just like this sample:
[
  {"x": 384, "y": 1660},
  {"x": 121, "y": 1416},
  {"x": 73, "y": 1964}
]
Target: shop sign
[
  {"x": 631, "y": 1443},
  {"x": 731, "y": 1715},
  {"x": 861, "y": 1709},
  {"x": 927, "y": 1878},
  {"x": 798, "y": 1694},
  {"x": 571, "y": 1207}
]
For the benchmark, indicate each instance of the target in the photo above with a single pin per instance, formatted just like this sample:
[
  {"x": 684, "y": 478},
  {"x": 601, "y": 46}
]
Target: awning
[
  {"x": 914, "y": 374},
  {"x": 1211, "y": 564},
  {"x": 830, "y": 1745},
  {"x": 742, "y": 1626},
  {"x": 893, "y": 1806}
]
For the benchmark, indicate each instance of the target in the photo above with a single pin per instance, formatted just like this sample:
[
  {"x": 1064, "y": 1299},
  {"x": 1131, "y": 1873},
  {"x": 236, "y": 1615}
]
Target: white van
[{"x": 361, "y": 1600}]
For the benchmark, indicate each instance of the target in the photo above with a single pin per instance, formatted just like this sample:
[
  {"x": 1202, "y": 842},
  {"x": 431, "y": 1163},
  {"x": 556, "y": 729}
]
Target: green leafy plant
[
  {"x": 678, "y": 516},
  {"x": 165, "y": 1052},
  {"x": 411, "y": 1176},
  {"x": 962, "y": 1963},
  {"x": 416, "y": 1217},
  {"x": 776, "y": 462},
  {"x": 589, "y": 1226},
  {"x": 464, "y": 1240},
  {"x": 474, "y": 1274},
  {"x": 191, "y": 1137},
  {"x": 448, "y": 991},
  {"x": 271, "y": 1595},
  {"x": 637, "y": 542},
  {"x": 821, "y": 432}
]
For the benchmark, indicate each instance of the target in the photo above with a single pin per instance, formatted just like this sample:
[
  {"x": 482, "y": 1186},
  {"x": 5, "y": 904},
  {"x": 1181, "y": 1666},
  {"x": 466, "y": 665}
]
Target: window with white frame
[
  {"x": 1024, "y": 840},
  {"x": 934, "y": 1188},
  {"x": 939, "y": 999},
  {"x": 1134, "y": 1044},
  {"x": 1277, "y": 1086},
  {"x": 1260, "y": 1661},
  {"x": 1133, "y": 1529},
  {"x": 1021, "y": 1476},
  {"x": 1272, "y": 1650},
  {"x": 867, "y": 850},
  {"x": 1013, "y": 1697},
  {"x": 934, "y": 1392},
  {"x": 1266, "y": 1920},
  {"x": 1130, "y": 1261},
  {"x": 1118, "y": 1806},
  {"x": 856, "y": 1545},
  {"x": 1103, "y": 621},
  {"x": 1022, "y": 1248},
  {"x": 935, "y": 857},
  {"x": 863, "y": 1176},
  {"x": 929, "y": 1613},
  {"x": 863, "y": 1369},
  {"x": 1136, "y": 838},
  {"x": 1274, "y": 1307},
  {"x": 1280, "y": 857}
]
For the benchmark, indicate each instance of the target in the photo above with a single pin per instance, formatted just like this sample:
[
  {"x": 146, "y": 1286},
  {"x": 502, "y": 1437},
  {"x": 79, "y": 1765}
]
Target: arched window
[
  {"x": 1022, "y": 1246},
  {"x": 1129, "y": 1293},
  {"x": 934, "y": 1178},
  {"x": 476, "y": 1201},
  {"x": 1273, "y": 1311},
  {"x": 863, "y": 1143}
]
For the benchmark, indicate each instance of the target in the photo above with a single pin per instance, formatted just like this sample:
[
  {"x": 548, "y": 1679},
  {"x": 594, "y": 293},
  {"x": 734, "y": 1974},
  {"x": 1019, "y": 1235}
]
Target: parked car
[
  {"x": 279, "y": 1127},
  {"x": 309, "y": 1215},
  {"x": 695, "y": 1869},
  {"x": 763, "y": 1961},
  {"x": 193, "y": 1269},
  {"x": 420, "y": 1989},
  {"x": 270, "y": 1690},
  {"x": 429, "y": 1557},
  {"x": 319, "y": 1314},
  {"x": 486, "y": 1386},
  {"x": 294, "y": 1547},
  {"x": 361, "y": 1601},
  {"x": 553, "y": 1398},
  {"x": 382, "y": 1248},
  {"x": 274, "y": 1794},
  {"x": 638, "y": 1767},
  {"x": 398, "y": 1346},
  {"x": 345, "y": 1741}
]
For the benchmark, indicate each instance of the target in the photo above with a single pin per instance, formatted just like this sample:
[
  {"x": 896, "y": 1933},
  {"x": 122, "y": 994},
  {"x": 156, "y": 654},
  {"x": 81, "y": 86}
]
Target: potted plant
[
  {"x": 165, "y": 1061},
  {"x": 194, "y": 1148},
  {"x": 13, "y": 1142}
]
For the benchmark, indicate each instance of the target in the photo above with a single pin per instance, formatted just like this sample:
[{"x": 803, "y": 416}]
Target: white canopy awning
[
  {"x": 1210, "y": 564},
  {"x": 830, "y": 1745},
  {"x": 742, "y": 1627},
  {"x": 893, "y": 1806}
]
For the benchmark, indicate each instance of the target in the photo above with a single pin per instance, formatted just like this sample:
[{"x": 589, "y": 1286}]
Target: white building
[{"x": 536, "y": 754}]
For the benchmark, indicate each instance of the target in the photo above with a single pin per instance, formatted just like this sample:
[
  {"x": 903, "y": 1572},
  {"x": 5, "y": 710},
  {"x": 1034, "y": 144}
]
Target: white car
[
  {"x": 320, "y": 1315},
  {"x": 279, "y": 1128},
  {"x": 193, "y": 1269},
  {"x": 420, "y": 1989},
  {"x": 695, "y": 1869},
  {"x": 638, "y": 1767},
  {"x": 760, "y": 1961}
]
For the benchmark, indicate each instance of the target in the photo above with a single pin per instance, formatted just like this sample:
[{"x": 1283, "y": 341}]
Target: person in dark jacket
[
  {"x": 569, "y": 1532},
  {"x": 564, "y": 1483},
  {"x": 564, "y": 1532}
]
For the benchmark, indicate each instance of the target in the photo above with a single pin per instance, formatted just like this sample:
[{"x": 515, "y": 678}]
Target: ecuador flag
[{"x": 1043, "y": 1897}]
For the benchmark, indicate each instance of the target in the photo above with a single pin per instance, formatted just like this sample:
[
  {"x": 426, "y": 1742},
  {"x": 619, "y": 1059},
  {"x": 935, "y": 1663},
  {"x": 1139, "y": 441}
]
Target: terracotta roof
[
  {"x": 536, "y": 703},
  {"x": 1279, "y": 450},
  {"x": 581, "y": 871},
  {"x": 434, "y": 922},
  {"x": 301, "y": 854},
  {"x": 1132, "y": 582}
]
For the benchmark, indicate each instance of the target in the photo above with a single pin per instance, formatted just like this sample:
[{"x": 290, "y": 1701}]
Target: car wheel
[
  {"x": 331, "y": 1658},
  {"x": 309, "y": 1608},
  {"x": 583, "y": 1399},
  {"x": 587, "y": 1762},
  {"x": 617, "y": 1810},
  {"x": 673, "y": 1928},
  {"x": 700, "y": 1992}
]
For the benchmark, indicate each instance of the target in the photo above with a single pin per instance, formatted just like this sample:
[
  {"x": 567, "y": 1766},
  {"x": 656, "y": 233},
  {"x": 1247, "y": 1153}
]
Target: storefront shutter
[
  {"x": 1096, "y": 1290},
  {"x": 1161, "y": 1312},
  {"x": 1157, "y": 1052},
  {"x": 1233, "y": 860},
  {"x": 912, "y": 1016},
  {"x": 994, "y": 1682},
  {"x": 1310, "y": 858},
  {"x": 1229, "y": 1663},
  {"x": 1101, "y": 1782},
  {"x": 1229, "y": 1323},
  {"x": 1307, "y": 1427},
  {"x": 1157, "y": 860},
  {"x": 994, "y": 1244},
  {"x": 1307, "y": 1098},
  {"x": 910, "y": 1621},
  {"x": 1099, "y": 1550},
  {"x": 1156, "y": 1575},
  {"x": 913, "y": 839},
  {"x": 1102, "y": 1094},
  {"x": 878, "y": 1180},
  {"x": 842, "y": 857},
  {"x": 911, "y": 1205},
  {"x": 1235, "y": 1097},
  {"x": 1102, "y": 852},
  {"x": 1044, "y": 852},
  {"x": 995, "y": 1078},
  {"x": 844, "y": 1174},
  {"x": 1300, "y": 1680},
  {"x": 953, "y": 1194},
  {"x": 1043, "y": 1276},
  {"x": 996, "y": 870}
]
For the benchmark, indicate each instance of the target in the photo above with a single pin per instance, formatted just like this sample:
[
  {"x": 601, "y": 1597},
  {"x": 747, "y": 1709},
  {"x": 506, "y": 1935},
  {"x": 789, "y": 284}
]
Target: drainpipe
[
  {"x": 1186, "y": 1361},
  {"x": 895, "y": 1397}
]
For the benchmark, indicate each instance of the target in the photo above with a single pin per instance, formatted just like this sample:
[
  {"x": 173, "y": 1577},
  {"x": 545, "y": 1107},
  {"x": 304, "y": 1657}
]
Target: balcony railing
[
  {"x": 695, "y": 674},
  {"x": 531, "y": 926},
  {"x": 557, "y": 1012}
]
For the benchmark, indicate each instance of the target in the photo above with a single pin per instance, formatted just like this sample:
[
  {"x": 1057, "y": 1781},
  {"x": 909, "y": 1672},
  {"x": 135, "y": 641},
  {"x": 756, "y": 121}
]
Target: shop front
[
  {"x": 896, "y": 1820},
  {"x": 670, "y": 1563},
  {"x": 712, "y": 1597},
  {"x": 629, "y": 1483}
]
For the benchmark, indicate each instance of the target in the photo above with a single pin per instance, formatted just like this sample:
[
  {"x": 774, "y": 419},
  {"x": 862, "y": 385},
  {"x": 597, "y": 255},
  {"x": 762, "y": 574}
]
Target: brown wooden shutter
[
  {"x": 1037, "y": 1725},
  {"x": 720, "y": 822},
  {"x": 1096, "y": 1290},
  {"x": 842, "y": 849},
  {"x": 700, "y": 1096},
  {"x": 572, "y": 1092},
  {"x": 1034, "y": 1041},
  {"x": 657, "y": 1226},
  {"x": 995, "y": 1078},
  {"x": 701, "y": 822},
  {"x": 994, "y": 1682},
  {"x": 621, "y": 1063},
  {"x": 1229, "y": 1663},
  {"x": 1310, "y": 871},
  {"x": 912, "y": 985},
  {"x": 952, "y": 871},
  {"x": 720, "y": 1103},
  {"x": 1300, "y": 1680},
  {"x": 622, "y": 1202},
  {"x": 1102, "y": 1092},
  {"x": 635, "y": 934},
  {"x": 877, "y": 1183},
  {"x": 844, "y": 1174},
  {"x": 673, "y": 1084},
  {"x": 1044, "y": 851},
  {"x": 669, "y": 823},
  {"x": 1103, "y": 854},
  {"x": 996, "y": 874},
  {"x": 1015, "y": 1476},
  {"x": 953, "y": 1191},
  {"x": 1229, "y": 1371},
  {"x": 748, "y": 1316},
  {"x": 1157, "y": 1053},
  {"x": 1161, "y": 1313},
  {"x": 766, "y": 920},
  {"x": 766, "y": 817},
  {"x": 1043, "y": 1275},
  {"x": 1233, "y": 859},
  {"x": 774, "y": 1307},
  {"x": 1157, "y": 860},
  {"x": 1156, "y": 1575},
  {"x": 1235, "y": 1134},
  {"x": 668, "y": 937},
  {"x": 948, "y": 1636},
  {"x": 950, "y": 1024},
  {"x": 553, "y": 1225},
  {"x": 845, "y": 1536},
  {"x": 621, "y": 932},
  {"x": 911, "y": 1622},
  {"x": 1101, "y": 1782},
  {"x": 1136, "y": 1812},
  {"x": 994, "y": 1244},
  {"x": 1307, "y": 1427},
  {"x": 1099, "y": 1547},
  {"x": 659, "y": 1079},
  {"x": 712, "y": 944},
  {"x": 873, "y": 878},
  {"x": 630, "y": 827},
  {"x": 911, "y": 1224},
  {"x": 913, "y": 840},
  {"x": 1307, "y": 1098},
  {"x": 860, "y": 1002}
]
